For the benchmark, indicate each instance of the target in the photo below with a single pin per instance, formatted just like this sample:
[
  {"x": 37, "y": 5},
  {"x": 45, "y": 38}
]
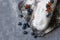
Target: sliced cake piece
[{"x": 42, "y": 14}]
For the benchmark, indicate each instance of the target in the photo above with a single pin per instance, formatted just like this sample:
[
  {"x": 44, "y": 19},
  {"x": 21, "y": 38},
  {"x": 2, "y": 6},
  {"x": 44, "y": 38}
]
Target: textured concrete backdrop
[{"x": 9, "y": 29}]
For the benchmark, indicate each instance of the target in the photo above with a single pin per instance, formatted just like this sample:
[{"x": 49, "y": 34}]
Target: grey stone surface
[{"x": 9, "y": 29}]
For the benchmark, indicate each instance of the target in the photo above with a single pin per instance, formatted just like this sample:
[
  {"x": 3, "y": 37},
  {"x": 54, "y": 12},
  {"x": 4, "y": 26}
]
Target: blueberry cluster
[
  {"x": 33, "y": 34},
  {"x": 24, "y": 27}
]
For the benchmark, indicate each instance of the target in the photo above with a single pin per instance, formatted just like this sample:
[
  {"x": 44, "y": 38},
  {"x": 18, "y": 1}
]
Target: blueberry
[
  {"x": 24, "y": 26},
  {"x": 20, "y": 23},
  {"x": 21, "y": 15},
  {"x": 32, "y": 33},
  {"x": 48, "y": 14},
  {"x": 30, "y": 11},
  {"x": 27, "y": 25},
  {"x": 25, "y": 32},
  {"x": 35, "y": 36},
  {"x": 52, "y": 1}
]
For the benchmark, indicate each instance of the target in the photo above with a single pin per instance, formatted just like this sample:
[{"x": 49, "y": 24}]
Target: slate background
[{"x": 9, "y": 29}]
